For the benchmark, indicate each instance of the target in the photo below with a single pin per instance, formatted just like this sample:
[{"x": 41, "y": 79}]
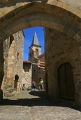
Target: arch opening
[
  {"x": 65, "y": 22},
  {"x": 66, "y": 85}
]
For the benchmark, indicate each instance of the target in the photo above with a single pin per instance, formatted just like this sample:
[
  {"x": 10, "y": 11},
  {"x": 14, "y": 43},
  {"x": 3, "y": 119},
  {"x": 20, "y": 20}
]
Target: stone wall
[
  {"x": 37, "y": 72},
  {"x": 27, "y": 79},
  {"x": 74, "y": 3},
  {"x": 41, "y": 58},
  {"x": 27, "y": 74},
  {"x": 18, "y": 63},
  {"x": 41, "y": 74},
  {"x": 8, "y": 62},
  {"x": 13, "y": 62},
  {"x": 71, "y": 2},
  {"x": 1, "y": 70},
  {"x": 32, "y": 53},
  {"x": 38, "y": 14},
  {"x": 61, "y": 48}
]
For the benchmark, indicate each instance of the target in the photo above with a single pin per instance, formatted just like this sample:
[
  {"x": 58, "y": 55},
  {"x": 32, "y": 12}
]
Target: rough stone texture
[
  {"x": 60, "y": 48},
  {"x": 32, "y": 53},
  {"x": 18, "y": 63},
  {"x": 45, "y": 13},
  {"x": 27, "y": 74},
  {"x": 35, "y": 105},
  {"x": 8, "y": 60},
  {"x": 36, "y": 57},
  {"x": 27, "y": 78},
  {"x": 61, "y": 15},
  {"x": 72, "y": 2},
  {"x": 37, "y": 72},
  {"x": 13, "y": 62}
]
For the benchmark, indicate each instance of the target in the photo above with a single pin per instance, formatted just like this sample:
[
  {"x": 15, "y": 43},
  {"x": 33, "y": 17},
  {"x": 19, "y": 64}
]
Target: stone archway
[
  {"x": 52, "y": 14},
  {"x": 39, "y": 14}
]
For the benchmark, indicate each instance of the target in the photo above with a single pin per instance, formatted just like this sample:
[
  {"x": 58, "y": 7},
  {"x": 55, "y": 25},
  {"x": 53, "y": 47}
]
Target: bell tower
[{"x": 34, "y": 49}]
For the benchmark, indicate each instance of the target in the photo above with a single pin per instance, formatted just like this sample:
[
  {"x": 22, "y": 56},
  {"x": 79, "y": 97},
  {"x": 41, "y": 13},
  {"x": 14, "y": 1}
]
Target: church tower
[{"x": 34, "y": 49}]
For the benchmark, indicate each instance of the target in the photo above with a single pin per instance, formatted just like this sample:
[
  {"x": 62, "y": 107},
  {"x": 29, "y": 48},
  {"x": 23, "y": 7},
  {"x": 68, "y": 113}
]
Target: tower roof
[{"x": 35, "y": 41}]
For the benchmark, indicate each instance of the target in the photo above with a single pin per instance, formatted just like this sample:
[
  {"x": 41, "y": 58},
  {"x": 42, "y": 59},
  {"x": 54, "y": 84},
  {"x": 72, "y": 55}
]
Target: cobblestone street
[{"x": 36, "y": 105}]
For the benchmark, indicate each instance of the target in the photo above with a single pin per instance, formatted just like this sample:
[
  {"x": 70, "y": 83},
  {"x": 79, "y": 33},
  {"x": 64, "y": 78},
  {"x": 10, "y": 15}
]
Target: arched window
[{"x": 37, "y": 52}]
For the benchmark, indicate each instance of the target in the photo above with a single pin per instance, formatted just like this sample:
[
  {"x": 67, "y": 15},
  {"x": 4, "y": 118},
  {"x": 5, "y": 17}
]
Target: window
[
  {"x": 37, "y": 52},
  {"x": 17, "y": 56}
]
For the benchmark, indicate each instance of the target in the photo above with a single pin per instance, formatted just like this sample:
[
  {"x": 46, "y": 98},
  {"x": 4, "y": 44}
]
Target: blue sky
[{"x": 29, "y": 33}]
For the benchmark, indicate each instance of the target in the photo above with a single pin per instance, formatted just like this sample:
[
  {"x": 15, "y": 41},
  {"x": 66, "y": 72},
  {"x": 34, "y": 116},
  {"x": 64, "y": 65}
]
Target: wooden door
[{"x": 65, "y": 82}]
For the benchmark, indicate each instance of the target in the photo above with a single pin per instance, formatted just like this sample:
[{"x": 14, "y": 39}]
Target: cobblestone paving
[{"x": 35, "y": 105}]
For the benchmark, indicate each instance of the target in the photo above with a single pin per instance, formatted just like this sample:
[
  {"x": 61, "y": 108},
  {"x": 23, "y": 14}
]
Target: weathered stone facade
[
  {"x": 26, "y": 80},
  {"x": 18, "y": 65},
  {"x": 42, "y": 16},
  {"x": 27, "y": 74},
  {"x": 32, "y": 54},
  {"x": 61, "y": 15},
  {"x": 13, "y": 62},
  {"x": 34, "y": 49},
  {"x": 60, "y": 48},
  {"x": 36, "y": 57}
]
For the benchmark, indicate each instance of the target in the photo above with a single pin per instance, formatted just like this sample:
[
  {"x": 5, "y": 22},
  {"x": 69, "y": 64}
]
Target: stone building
[
  {"x": 37, "y": 59},
  {"x": 27, "y": 74},
  {"x": 34, "y": 49},
  {"x": 41, "y": 67},
  {"x": 13, "y": 62},
  {"x": 62, "y": 22},
  {"x": 34, "y": 68},
  {"x": 62, "y": 65}
]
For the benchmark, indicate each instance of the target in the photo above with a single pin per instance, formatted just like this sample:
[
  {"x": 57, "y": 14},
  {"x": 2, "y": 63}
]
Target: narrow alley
[{"x": 36, "y": 105}]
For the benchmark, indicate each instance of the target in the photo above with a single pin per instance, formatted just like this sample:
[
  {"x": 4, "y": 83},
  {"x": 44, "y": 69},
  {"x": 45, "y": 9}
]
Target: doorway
[{"x": 66, "y": 86}]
